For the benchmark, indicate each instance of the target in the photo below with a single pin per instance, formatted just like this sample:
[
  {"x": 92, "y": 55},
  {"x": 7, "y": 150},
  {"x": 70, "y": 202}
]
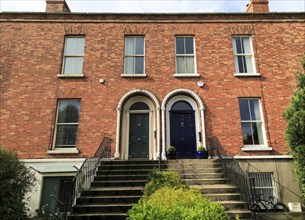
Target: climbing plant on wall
[{"x": 295, "y": 130}]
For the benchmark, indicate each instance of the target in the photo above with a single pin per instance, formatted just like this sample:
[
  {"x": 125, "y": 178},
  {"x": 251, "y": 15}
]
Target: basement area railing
[
  {"x": 82, "y": 181},
  {"x": 232, "y": 170}
]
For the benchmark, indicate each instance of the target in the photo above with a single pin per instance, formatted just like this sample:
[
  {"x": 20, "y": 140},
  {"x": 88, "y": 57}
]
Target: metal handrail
[
  {"x": 232, "y": 170},
  {"x": 53, "y": 208},
  {"x": 83, "y": 178}
]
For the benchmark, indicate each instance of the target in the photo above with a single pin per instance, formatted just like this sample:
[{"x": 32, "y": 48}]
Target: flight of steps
[
  {"x": 116, "y": 186},
  {"x": 119, "y": 184},
  {"x": 207, "y": 176}
]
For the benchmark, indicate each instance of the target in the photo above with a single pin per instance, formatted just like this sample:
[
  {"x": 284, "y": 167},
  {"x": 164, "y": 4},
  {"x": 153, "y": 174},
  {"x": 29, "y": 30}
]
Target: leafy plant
[
  {"x": 200, "y": 148},
  {"x": 183, "y": 204},
  {"x": 295, "y": 130},
  {"x": 15, "y": 181},
  {"x": 171, "y": 149},
  {"x": 159, "y": 179}
]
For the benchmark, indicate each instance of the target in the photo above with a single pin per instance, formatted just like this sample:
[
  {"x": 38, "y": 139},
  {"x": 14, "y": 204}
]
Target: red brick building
[{"x": 69, "y": 80}]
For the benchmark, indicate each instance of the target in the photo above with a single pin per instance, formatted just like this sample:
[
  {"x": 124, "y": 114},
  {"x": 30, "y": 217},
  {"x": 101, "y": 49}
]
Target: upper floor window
[
  {"x": 185, "y": 55},
  {"x": 134, "y": 55},
  {"x": 243, "y": 56},
  {"x": 73, "y": 55},
  {"x": 67, "y": 123},
  {"x": 252, "y": 122}
]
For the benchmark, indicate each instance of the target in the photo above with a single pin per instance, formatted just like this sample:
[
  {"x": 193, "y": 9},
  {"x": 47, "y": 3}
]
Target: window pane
[
  {"x": 180, "y": 45},
  {"x": 139, "y": 45},
  {"x": 238, "y": 44},
  {"x": 129, "y": 65},
  {"x": 68, "y": 111},
  {"x": 246, "y": 45},
  {"x": 190, "y": 65},
  {"x": 66, "y": 135},
  {"x": 255, "y": 111},
  {"x": 241, "y": 64},
  {"x": 247, "y": 133},
  {"x": 80, "y": 45},
  {"x": 180, "y": 65},
  {"x": 257, "y": 133},
  {"x": 139, "y": 65},
  {"x": 189, "y": 45},
  {"x": 139, "y": 106},
  {"x": 69, "y": 63},
  {"x": 129, "y": 46},
  {"x": 181, "y": 105},
  {"x": 70, "y": 46},
  {"x": 244, "y": 109},
  {"x": 78, "y": 65},
  {"x": 248, "y": 63}
]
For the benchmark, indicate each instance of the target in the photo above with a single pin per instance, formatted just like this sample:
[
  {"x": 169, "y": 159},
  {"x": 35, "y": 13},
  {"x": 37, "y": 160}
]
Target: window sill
[
  {"x": 63, "y": 151},
  {"x": 246, "y": 74},
  {"x": 70, "y": 75},
  {"x": 134, "y": 75},
  {"x": 183, "y": 75},
  {"x": 252, "y": 148}
]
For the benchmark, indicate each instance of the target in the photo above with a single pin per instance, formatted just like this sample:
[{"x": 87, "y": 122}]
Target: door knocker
[{"x": 182, "y": 124}]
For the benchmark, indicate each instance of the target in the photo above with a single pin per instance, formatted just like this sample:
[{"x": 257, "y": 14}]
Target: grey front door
[{"x": 139, "y": 136}]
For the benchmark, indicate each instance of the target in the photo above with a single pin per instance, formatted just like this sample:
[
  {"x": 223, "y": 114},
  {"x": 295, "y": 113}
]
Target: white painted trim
[
  {"x": 126, "y": 123},
  {"x": 53, "y": 160},
  {"x": 264, "y": 157},
  {"x": 70, "y": 75},
  {"x": 169, "y": 105},
  {"x": 134, "y": 75},
  {"x": 246, "y": 74},
  {"x": 186, "y": 75},
  {"x": 257, "y": 148},
  {"x": 201, "y": 108},
  {"x": 156, "y": 107},
  {"x": 63, "y": 151}
]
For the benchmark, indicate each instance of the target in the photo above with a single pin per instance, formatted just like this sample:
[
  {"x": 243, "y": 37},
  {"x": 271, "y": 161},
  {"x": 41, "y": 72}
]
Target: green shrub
[
  {"x": 295, "y": 130},
  {"x": 171, "y": 149},
  {"x": 159, "y": 179},
  {"x": 15, "y": 181},
  {"x": 180, "y": 204}
]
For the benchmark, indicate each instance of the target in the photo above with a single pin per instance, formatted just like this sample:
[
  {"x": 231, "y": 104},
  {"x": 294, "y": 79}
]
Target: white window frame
[
  {"x": 254, "y": 73},
  {"x": 195, "y": 74},
  {"x": 65, "y": 56},
  {"x": 134, "y": 55},
  {"x": 71, "y": 149},
  {"x": 263, "y": 183},
  {"x": 255, "y": 147}
]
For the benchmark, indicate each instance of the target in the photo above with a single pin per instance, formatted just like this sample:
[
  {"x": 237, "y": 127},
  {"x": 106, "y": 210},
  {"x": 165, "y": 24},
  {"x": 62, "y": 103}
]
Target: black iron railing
[
  {"x": 82, "y": 181},
  {"x": 232, "y": 170}
]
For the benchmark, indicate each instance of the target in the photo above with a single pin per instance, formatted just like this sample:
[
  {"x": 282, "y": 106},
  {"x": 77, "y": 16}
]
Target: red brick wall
[{"x": 31, "y": 58}]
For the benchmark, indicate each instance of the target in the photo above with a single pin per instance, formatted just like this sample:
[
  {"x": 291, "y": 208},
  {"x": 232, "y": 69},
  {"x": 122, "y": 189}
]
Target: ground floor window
[{"x": 262, "y": 184}]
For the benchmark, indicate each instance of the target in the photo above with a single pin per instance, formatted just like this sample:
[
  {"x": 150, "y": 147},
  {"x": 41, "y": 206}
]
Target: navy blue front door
[
  {"x": 182, "y": 132},
  {"x": 139, "y": 136}
]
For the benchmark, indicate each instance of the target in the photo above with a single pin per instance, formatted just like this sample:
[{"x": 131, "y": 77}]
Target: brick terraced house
[{"x": 143, "y": 82}]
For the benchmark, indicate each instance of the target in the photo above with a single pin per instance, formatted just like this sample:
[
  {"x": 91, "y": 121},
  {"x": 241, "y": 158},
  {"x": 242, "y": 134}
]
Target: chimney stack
[
  {"x": 258, "y": 6},
  {"x": 57, "y": 6}
]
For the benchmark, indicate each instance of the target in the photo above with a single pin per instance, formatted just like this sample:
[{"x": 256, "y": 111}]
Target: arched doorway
[{"x": 182, "y": 129}]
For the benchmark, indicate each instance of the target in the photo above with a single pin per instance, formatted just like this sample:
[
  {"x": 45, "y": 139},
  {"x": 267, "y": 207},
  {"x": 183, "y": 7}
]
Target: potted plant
[
  {"x": 201, "y": 153},
  {"x": 171, "y": 153}
]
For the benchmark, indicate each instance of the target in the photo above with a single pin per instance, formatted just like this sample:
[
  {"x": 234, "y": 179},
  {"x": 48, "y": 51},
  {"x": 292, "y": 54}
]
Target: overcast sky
[{"x": 170, "y": 6}]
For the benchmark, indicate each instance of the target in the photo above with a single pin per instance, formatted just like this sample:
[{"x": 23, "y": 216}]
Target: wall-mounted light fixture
[{"x": 200, "y": 83}]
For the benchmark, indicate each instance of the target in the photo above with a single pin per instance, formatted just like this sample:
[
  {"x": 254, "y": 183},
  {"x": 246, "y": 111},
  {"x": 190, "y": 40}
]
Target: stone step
[
  {"x": 192, "y": 166},
  {"x": 107, "y": 199},
  {"x": 223, "y": 196},
  {"x": 102, "y": 208},
  {"x": 98, "y": 216},
  {"x": 123, "y": 172},
  {"x": 231, "y": 205},
  {"x": 129, "y": 167},
  {"x": 121, "y": 183},
  {"x": 113, "y": 191},
  {"x": 201, "y": 175},
  {"x": 242, "y": 214},
  {"x": 216, "y": 188},
  {"x": 195, "y": 171},
  {"x": 132, "y": 162},
  {"x": 191, "y": 161},
  {"x": 121, "y": 177},
  {"x": 205, "y": 181}
]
